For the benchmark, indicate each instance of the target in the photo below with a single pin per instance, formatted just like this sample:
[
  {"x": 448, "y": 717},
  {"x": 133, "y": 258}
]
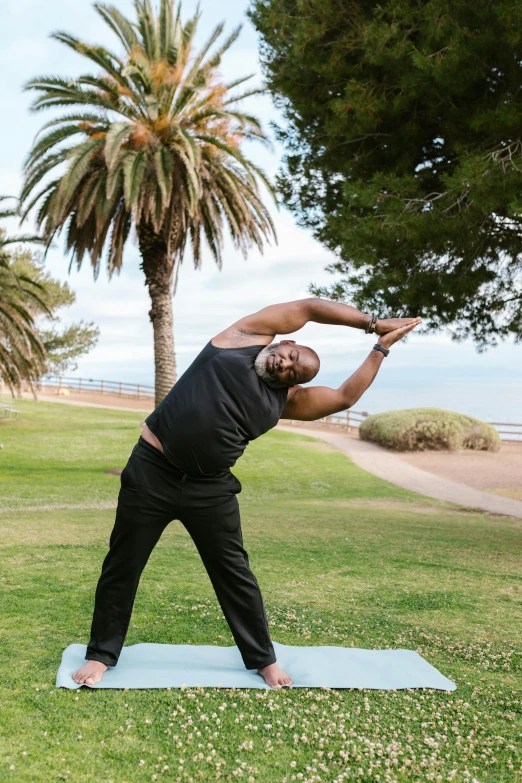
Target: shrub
[{"x": 419, "y": 429}]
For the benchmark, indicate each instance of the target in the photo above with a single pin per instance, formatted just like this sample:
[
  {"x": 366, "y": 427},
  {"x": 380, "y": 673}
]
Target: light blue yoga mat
[{"x": 174, "y": 665}]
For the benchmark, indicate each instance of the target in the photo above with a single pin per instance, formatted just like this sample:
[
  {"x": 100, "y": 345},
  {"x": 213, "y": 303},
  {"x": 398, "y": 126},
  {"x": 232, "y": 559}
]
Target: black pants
[{"x": 153, "y": 493}]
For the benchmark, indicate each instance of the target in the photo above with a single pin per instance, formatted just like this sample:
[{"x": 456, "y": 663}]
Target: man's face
[{"x": 285, "y": 364}]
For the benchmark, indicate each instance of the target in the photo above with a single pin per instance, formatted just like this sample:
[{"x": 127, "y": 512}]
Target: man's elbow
[
  {"x": 311, "y": 307},
  {"x": 346, "y": 399},
  {"x": 304, "y": 309}
]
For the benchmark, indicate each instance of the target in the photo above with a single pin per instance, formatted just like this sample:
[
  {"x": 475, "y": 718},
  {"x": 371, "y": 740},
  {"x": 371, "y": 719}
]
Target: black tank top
[{"x": 217, "y": 406}]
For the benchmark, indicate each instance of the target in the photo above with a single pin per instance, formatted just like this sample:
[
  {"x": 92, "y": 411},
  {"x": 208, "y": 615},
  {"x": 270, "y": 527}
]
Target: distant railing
[
  {"x": 347, "y": 420},
  {"x": 117, "y": 388},
  {"x": 514, "y": 434},
  {"x": 350, "y": 420}
]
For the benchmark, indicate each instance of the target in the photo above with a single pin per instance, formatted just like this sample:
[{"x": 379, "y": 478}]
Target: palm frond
[
  {"x": 53, "y": 138},
  {"x": 119, "y": 25},
  {"x": 215, "y": 60},
  {"x": 116, "y": 135},
  {"x": 155, "y": 140},
  {"x": 147, "y": 28},
  {"x": 165, "y": 28},
  {"x": 23, "y": 238},
  {"x": 133, "y": 173},
  {"x": 243, "y": 95},
  {"x": 81, "y": 160},
  {"x": 164, "y": 165},
  {"x": 22, "y": 353},
  {"x": 203, "y": 53},
  {"x": 68, "y": 118},
  {"x": 108, "y": 61}
]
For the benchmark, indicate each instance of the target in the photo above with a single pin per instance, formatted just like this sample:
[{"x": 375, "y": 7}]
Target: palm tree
[
  {"x": 22, "y": 354},
  {"x": 157, "y": 149}
]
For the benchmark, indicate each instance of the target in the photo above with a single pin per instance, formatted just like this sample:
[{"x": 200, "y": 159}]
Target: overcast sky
[{"x": 426, "y": 370}]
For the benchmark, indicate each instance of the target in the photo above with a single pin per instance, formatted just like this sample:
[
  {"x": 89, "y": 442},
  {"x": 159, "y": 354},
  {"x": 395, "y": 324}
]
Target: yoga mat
[{"x": 174, "y": 665}]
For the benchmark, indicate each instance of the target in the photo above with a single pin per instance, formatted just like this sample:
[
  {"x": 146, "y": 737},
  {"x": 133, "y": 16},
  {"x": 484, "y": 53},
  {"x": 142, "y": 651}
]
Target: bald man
[{"x": 235, "y": 390}]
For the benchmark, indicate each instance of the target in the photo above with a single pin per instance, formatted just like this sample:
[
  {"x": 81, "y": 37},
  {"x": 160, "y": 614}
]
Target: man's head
[{"x": 286, "y": 364}]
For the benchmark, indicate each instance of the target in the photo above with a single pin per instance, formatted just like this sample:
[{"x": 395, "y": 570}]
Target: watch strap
[{"x": 382, "y": 349}]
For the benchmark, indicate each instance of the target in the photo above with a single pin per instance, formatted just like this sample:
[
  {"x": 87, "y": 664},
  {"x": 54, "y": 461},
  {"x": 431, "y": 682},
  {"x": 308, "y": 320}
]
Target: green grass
[{"x": 342, "y": 558}]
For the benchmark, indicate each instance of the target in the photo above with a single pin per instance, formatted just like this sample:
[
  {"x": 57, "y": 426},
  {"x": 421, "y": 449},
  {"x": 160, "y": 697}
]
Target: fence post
[
  {"x": 138, "y": 391},
  {"x": 102, "y": 387},
  {"x": 120, "y": 389},
  {"x": 80, "y": 387},
  {"x": 348, "y": 420}
]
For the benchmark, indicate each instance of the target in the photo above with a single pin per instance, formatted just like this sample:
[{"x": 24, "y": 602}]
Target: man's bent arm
[
  {"x": 289, "y": 317},
  {"x": 313, "y": 402}
]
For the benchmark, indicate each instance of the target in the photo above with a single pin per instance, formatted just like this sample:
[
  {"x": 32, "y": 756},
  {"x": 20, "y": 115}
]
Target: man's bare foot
[
  {"x": 274, "y": 676},
  {"x": 90, "y": 673}
]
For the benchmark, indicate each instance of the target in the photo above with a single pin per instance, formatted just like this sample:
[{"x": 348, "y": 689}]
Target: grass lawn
[{"x": 342, "y": 558}]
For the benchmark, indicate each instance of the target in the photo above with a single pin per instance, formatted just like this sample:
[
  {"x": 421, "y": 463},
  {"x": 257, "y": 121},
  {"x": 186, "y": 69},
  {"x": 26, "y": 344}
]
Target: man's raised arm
[
  {"x": 289, "y": 317},
  {"x": 309, "y": 403}
]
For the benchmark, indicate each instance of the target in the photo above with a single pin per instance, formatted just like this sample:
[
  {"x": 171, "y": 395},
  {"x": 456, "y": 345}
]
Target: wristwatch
[{"x": 382, "y": 349}]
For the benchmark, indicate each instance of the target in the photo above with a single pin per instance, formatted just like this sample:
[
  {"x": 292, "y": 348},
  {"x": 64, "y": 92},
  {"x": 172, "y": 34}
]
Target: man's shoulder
[{"x": 235, "y": 338}]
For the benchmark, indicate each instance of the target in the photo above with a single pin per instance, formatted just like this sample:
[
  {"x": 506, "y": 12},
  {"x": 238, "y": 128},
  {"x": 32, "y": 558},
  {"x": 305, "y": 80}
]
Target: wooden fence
[
  {"x": 513, "y": 434},
  {"x": 348, "y": 420},
  {"x": 79, "y": 385}
]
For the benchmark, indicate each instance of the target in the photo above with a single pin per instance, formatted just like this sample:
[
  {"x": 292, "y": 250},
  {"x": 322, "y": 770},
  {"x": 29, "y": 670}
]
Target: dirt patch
[
  {"x": 109, "y": 400},
  {"x": 514, "y": 494},
  {"x": 485, "y": 470},
  {"x": 115, "y": 472}
]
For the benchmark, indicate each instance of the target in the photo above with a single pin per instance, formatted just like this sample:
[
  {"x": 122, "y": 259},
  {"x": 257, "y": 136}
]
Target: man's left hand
[{"x": 385, "y": 325}]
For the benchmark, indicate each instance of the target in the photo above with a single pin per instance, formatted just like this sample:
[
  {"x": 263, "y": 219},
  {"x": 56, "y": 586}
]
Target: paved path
[{"x": 392, "y": 468}]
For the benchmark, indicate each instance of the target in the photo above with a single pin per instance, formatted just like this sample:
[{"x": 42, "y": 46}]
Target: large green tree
[
  {"x": 153, "y": 142},
  {"x": 404, "y": 152}
]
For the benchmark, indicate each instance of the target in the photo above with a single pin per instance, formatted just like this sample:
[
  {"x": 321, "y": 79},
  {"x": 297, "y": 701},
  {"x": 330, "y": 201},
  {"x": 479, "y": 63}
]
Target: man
[{"x": 236, "y": 389}]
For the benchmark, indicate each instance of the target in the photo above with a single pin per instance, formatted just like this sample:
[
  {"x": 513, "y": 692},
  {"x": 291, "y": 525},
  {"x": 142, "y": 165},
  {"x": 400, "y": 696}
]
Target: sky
[{"x": 423, "y": 370}]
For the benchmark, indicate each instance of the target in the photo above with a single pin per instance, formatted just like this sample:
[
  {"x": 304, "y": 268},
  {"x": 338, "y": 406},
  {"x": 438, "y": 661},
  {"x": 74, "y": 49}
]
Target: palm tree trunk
[{"x": 158, "y": 269}]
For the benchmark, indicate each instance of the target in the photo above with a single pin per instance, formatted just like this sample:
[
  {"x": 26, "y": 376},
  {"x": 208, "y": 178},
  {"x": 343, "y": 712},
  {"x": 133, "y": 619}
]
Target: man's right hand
[{"x": 388, "y": 339}]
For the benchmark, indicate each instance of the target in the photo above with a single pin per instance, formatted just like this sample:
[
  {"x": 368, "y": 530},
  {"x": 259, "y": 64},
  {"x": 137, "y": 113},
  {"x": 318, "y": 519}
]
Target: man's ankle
[
  {"x": 93, "y": 660},
  {"x": 264, "y": 665}
]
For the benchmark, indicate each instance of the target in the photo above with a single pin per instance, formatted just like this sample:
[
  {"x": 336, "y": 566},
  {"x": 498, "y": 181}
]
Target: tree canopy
[
  {"x": 151, "y": 141},
  {"x": 404, "y": 152}
]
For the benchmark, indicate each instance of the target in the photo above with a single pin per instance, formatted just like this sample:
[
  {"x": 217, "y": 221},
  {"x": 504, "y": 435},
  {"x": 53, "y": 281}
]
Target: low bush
[{"x": 420, "y": 429}]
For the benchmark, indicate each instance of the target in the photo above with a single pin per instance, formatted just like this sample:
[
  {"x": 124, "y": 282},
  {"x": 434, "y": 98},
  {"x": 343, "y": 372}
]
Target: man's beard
[{"x": 262, "y": 370}]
